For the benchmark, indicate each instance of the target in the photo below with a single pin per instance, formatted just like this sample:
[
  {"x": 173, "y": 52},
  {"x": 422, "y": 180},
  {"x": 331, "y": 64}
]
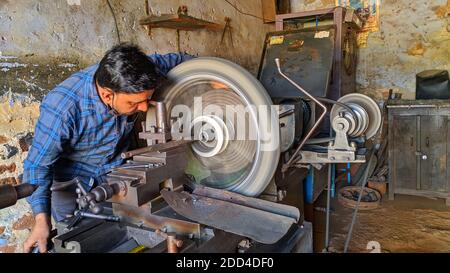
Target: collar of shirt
[{"x": 92, "y": 99}]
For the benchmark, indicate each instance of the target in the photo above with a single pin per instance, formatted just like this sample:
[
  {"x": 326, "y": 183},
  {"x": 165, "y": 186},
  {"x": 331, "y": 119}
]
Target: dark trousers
[{"x": 64, "y": 203}]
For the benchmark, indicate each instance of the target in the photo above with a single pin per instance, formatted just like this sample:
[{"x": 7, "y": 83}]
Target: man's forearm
[
  {"x": 42, "y": 218},
  {"x": 168, "y": 61},
  {"x": 40, "y": 176}
]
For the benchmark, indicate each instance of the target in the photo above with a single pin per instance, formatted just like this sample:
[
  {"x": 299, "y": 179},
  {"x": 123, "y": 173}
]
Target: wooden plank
[
  {"x": 178, "y": 21},
  {"x": 269, "y": 10}
]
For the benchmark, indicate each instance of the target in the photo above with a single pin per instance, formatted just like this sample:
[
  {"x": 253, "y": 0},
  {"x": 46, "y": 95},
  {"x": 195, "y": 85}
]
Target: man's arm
[
  {"x": 51, "y": 133},
  {"x": 168, "y": 61}
]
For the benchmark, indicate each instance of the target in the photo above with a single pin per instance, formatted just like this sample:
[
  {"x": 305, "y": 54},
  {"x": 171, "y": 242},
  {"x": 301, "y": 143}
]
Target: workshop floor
[{"x": 407, "y": 224}]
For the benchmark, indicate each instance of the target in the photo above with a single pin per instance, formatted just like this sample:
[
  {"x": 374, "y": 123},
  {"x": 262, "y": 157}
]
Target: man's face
[{"x": 129, "y": 104}]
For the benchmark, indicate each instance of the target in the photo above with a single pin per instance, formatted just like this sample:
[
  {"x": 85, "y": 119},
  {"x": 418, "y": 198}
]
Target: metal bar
[
  {"x": 336, "y": 91},
  {"x": 333, "y": 180},
  {"x": 156, "y": 148},
  {"x": 355, "y": 213},
  {"x": 327, "y": 224},
  {"x": 154, "y": 221},
  {"x": 418, "y": 148},
  {"x": 112, "y": 218},
  {"x": 306, "y": 13},
  {"x": 289, "y": 163},
  {"x": 411, "y": 106}
]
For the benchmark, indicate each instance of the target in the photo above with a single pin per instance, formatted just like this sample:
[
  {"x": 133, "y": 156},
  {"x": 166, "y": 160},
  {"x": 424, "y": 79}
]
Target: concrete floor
[{"x": 407, "y": 224}]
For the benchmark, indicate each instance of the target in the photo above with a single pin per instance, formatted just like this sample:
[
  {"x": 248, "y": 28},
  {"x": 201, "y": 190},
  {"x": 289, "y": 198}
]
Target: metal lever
[
  {"x": 287, "y": 165},
  {"x": 60, "y": 186},
  {"x": 84, "y": 198},
  {"x": 112, "y": 218}
]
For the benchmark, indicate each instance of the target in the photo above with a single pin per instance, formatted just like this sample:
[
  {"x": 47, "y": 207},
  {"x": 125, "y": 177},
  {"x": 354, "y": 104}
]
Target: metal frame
[{"x": 337, "y": 14}]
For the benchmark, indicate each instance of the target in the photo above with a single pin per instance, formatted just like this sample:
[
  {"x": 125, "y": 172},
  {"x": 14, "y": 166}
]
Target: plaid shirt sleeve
[
  {"x": 53, "y": 130},
  {"x": 168, "y": 61}
]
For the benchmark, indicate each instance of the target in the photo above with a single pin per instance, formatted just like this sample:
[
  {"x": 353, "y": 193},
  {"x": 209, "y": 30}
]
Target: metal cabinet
[{"x": 419, "y": 140}]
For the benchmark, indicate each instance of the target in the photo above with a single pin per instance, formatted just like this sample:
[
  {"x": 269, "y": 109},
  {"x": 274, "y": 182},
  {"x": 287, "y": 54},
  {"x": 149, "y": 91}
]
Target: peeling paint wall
[
  {"x": 42, "y": 42},
  {"x": 414, "y": 36},
  {"x": 38, "y": 37}
]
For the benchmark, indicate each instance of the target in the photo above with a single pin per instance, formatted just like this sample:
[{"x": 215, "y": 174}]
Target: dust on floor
[{"x": 407, "y": 224}]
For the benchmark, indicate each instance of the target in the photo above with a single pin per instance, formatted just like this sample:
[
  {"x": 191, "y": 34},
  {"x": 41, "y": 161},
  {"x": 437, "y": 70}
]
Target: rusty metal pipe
[
  {"x": 173, "y": 243},
  {"x": 287, "y": 165},
  {"x": 9, "y": 194}
]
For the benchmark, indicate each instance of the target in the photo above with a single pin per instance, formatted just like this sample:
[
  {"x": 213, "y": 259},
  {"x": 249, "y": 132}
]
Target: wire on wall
[
  {"x": 240, "y": 11},
  {"x": 115, "y": 20}
]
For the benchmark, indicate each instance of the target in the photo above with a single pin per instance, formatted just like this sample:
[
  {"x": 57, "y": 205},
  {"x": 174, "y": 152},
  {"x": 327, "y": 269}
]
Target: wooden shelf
[{"x": 178, "y": 22}]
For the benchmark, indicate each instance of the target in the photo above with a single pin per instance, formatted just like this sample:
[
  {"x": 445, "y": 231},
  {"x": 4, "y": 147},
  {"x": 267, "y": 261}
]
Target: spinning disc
[
  {"x": 368, "y": 114},
  {"x": 219, "y": 104}
]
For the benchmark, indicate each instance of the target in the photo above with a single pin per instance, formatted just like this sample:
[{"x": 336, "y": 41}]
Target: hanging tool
[
  {"x": 148, "y": 13},
  {"x": 182, "y": 10},
  {"x": 227, "y": 27}
]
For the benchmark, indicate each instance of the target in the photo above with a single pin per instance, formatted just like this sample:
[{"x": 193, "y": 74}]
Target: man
[{"x": 84, "y": 126}]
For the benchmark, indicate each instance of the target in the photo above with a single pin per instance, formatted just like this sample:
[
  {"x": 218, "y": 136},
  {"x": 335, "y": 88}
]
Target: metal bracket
[{"x": 308, "y": 157}]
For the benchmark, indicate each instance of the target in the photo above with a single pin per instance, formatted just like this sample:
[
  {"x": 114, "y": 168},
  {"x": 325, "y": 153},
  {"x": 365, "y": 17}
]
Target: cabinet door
[
  {"x": 404, "y": 147},
  {"x": 433, "y": 153}
]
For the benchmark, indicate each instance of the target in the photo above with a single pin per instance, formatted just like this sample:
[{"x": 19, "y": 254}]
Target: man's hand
[{"x": 39, "y": 235}]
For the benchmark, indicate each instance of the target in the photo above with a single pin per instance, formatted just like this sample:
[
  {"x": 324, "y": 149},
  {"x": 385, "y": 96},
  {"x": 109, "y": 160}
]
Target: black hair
[{"x": 126, "y": 69}]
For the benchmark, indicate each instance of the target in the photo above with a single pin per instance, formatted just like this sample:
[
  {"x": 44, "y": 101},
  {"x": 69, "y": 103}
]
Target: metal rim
[
  {"x": 251, "y": 92},
  {"x": 369, "y": 105}
]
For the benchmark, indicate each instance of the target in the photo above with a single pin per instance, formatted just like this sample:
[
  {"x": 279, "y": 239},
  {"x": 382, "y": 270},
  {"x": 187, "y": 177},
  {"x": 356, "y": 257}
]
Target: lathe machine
[
  {"x": 222, "y": 169},
  {"x": 225, "y": 155}
]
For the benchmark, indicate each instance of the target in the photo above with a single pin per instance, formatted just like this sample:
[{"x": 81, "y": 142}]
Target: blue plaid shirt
[{"x": 76, "y": 135}]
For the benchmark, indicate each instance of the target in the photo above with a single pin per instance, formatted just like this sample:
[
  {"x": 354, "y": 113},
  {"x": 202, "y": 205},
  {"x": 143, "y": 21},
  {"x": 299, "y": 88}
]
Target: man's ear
[{"x": 107, "y": 95}]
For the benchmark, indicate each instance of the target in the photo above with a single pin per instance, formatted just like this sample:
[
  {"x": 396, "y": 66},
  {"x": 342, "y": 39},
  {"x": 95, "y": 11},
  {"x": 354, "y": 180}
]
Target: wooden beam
[{"x": 269, "y": 10}]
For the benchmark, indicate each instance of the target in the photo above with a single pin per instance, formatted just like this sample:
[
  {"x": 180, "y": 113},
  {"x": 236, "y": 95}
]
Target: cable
[
  {"x": 337, "y": 103},
  {"x": 115, "y": 20},
  {"x": 350, "y": 231},
  {"x": 240, "y": 11}
]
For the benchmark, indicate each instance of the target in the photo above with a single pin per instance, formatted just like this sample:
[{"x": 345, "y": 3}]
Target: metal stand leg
[
  {"x": 327, "y": 225},
  {"x": 333, "y": 180}
]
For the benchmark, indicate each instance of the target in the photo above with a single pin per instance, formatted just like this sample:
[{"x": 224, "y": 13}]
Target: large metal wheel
[{"x": 220, "y": 158}]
